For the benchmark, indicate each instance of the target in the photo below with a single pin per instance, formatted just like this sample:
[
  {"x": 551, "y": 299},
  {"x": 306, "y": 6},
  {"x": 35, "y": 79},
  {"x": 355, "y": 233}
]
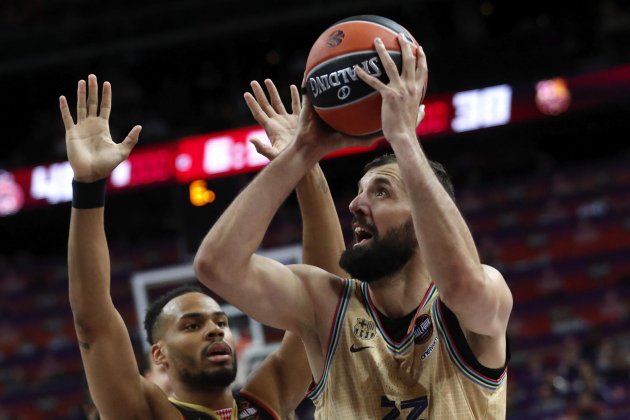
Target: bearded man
[{"x": 419, "y": 331}]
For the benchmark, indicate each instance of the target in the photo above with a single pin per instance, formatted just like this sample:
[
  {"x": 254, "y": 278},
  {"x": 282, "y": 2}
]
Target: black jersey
[{"x": 247, "y": 409}]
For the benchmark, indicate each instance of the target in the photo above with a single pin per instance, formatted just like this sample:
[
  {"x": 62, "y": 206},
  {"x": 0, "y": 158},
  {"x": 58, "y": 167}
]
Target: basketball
[{"x": 339, "y": 97}]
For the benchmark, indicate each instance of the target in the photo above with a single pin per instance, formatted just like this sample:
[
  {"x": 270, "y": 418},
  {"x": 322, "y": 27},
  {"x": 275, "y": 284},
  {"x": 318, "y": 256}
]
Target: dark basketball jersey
[
  {"x": 243, "y": 409},
  {"x": 430, "y": 373}
]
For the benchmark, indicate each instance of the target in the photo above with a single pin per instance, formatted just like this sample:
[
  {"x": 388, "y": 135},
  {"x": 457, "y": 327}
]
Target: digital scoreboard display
[{"x": 229, "y": 152}]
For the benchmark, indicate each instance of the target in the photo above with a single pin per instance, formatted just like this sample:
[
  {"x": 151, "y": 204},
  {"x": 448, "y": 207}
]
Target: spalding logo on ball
[{"x": 340, "y": 98}]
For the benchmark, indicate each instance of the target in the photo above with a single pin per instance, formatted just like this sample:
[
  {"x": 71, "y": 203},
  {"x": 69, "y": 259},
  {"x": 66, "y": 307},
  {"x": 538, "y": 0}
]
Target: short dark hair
[
  {"x": 155, "y": 309},
  {"x": 437, "y": 167}
]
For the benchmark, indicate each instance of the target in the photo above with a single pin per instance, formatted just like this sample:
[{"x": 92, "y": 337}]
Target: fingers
[
  {"x": 258, "y": 145},
  {"x": 261, "y": 98},
  {"x": 306, "y": 101},
  {"x": 130, "y": 141},
  {"x": 68, "y": 122},
  {"x": 412, "y": 67},
  {"x": 106, "y": 101},
  {"x": 263, "y": 148},
  {"x": 409, "y": 61},
  {"x": 388, "y": 64},
  {"x": 422, "y": 69},
  {"x": 81, "y": 104},
  {"x": 370, "y": 80},
  {"x": 296, "y": 106},
  {"x": 276, "y": 102},
  {"x": 421, "y": 114},
  {"x": 92, "y": 100},
  {"x": 307, "y": 112},
  {"x": 87, "y": 101},
  {"x": 260, "y": 106},
  {"x": 421, "y": 63},
  {"x": 257, "y": 112}
]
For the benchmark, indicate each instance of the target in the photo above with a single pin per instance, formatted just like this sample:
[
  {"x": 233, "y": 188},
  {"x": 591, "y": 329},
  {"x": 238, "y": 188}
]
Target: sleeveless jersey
[
  {"x": 243, "y": 409},
  {"x": 430, "y": 374}
]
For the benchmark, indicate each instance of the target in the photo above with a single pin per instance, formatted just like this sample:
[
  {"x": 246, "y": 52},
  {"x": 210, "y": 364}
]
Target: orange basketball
[{"x": 340, "y": 98}]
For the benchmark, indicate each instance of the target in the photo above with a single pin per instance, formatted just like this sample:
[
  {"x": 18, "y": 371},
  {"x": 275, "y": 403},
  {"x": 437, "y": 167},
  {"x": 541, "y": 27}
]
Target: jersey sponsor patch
[
  {"x": 429, "y": 349},
  {"x": 422, "y": 329},
  {"x": 364, "y": 329},
  {"x": 248, "y": 410},
  {"x": 248, "y": 413}
]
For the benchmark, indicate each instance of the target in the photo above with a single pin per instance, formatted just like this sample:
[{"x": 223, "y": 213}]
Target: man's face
[
  {"x": 198, "y": 342},
  {"x": 384, "y": 237}
]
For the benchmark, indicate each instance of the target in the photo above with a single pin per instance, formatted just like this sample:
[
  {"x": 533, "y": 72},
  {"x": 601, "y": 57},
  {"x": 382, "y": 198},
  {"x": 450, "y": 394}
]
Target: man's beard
[
  {"x": 220, "y": 378},
  {"x": 384, "y": 256}
]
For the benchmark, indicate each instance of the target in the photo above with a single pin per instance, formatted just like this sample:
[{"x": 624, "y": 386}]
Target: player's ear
[{"x": 159, "y": 353}]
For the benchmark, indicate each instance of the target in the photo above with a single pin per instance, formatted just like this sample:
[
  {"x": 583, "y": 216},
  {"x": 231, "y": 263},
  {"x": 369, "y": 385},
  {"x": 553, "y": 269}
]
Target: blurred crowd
[{"x": 570, "y": 278}]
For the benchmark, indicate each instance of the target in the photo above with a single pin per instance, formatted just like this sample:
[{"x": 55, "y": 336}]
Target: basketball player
[
  {"x": 190, "y": 334},
  {"x": 422, "y": 334}
]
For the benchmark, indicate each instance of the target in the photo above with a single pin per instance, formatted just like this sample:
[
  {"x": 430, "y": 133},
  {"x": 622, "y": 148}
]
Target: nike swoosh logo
[{"x": 354, "y": 349}]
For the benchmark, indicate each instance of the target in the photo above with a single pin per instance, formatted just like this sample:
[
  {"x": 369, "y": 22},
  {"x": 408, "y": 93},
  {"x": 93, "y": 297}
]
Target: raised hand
[
  {"x": 92, "y": 153},
  {"x": 314, "y": 133},
  {"x": 401, "y": 111},
  {"x": 283, "y": 127},
  {"x": 271, "y": 114}
]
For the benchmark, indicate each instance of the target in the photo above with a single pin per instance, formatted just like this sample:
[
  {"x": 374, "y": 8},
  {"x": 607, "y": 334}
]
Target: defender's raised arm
[{"x": 110, "y": 365}]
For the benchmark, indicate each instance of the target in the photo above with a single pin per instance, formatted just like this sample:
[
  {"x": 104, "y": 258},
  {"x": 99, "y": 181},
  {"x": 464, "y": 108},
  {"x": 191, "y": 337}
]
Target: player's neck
[
  {"x": 214, "y": 399},
  {"x": 400, "y": 293}
]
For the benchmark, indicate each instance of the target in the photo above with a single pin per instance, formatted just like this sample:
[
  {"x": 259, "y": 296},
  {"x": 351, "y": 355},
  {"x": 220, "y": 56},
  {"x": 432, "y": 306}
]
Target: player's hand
[
  {"x": 270, "y": 113},
  {"x": 402, "y": 96},
  {"x": 315, "y": 134},
  {"x": 92, "y": 153}
]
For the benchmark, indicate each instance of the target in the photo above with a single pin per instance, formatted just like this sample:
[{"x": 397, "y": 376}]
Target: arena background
[{"x": 545, "y": 192}]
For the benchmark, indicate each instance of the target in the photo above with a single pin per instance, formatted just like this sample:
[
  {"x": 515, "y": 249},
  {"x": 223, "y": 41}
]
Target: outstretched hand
[
  {"x": 283, "y": 127},
  {"x": 401, "y": 111},
  {"x": 313, "y": 132},
  {"x": 92, "y": 153},
  {"x": 271, "y": 114}
]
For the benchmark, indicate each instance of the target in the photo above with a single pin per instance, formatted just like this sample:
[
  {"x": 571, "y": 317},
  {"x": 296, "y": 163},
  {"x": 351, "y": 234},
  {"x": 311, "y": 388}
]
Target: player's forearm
[
  {"x": 293, "y": 371},
  {"x": 108, "y": 358},
  {"x": 446, "y": 244},
  {"x": 282, "y": 379},
  {"x": 322, "y": 237},
  {"x": 229, "y": 245},
  {"x": 88, "y": 267}
]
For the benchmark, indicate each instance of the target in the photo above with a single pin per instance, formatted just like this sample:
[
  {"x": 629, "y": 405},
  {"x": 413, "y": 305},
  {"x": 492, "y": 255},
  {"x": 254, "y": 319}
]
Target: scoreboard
[{"x": 221, "y": 154}]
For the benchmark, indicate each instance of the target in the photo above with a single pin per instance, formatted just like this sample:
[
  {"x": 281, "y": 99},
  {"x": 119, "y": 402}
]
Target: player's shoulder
[
  {"x": 493, "y": 273},
  {"x": 490, "y": 270},
  {"x": 311, "y": 273},
  {"x": 321, "y": 285},
  {"x": 156, "y": 403},
  {"x": 505, "y": 294},
  {"x": 250, "y": 407}
]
